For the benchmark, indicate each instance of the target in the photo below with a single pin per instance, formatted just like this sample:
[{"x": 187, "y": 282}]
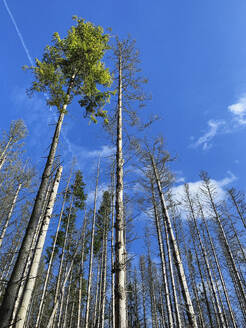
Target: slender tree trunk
[
  {"x": 62, "y": 289},
  {"x": 7, "y": 306},
  {"x": 112, "y": 255},
  {"x": 67, "y": 302},
  {"x": 104, "y": 277},
  {"x": 71, "y": 316},
  {"x": 152, "y": 294},
  {"x": 142, "y": 271},
  {"x": 205, "y": 291},
  {"x": 234, "y": 201},
  {"x": 194, "y": 286},
  {"x": 163, "y": 261},
  {"x": 120, "y": 265},
  {"x": 33, "y": 271},
  {"x": 204, "y": 254},
  {"x": 86, "y": 325},
  {"x": 177, "y": 259},
  {"x": 3, "y": 155},
  {"x": 28, "y": 262},
  {"x": 96, "y": 313},
  {"x": 216, "y": 261},
  {"x": 60, "y": 272},
  {"x": 177, "y": 312},
  {"x": 41, "y": 305},
  {"x": 227, "y": 246},
  {"x": 10, "y": 213},
  {"x": 3, "y": 161},
  {"x": 81, "y": 271}
]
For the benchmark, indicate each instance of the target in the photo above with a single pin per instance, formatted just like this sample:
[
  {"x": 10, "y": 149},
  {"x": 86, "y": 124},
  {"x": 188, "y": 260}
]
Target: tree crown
[{"x": 72, "y": 66}]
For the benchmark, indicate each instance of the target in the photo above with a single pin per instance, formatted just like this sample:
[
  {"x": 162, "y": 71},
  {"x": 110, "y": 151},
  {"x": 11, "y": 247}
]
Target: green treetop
[{"x": 72, "y": 66}]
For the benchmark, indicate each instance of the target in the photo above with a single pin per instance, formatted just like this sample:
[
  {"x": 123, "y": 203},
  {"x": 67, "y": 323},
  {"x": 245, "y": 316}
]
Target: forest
[{"x": 135, "y": 253}]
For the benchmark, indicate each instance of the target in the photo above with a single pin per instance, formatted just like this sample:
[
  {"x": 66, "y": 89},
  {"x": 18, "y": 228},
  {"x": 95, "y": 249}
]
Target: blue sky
[{"x": 194, "y": 54}]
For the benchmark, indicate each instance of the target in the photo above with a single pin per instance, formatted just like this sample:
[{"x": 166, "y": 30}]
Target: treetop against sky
[{"x": 193, "y": 54}]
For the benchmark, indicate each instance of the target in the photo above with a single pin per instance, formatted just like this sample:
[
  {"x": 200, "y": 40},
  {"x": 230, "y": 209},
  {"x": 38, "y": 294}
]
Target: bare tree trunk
[
  {"x": 232, "y": 194},
  {"x": 29, "y": 261},
  {"x": 71, "y": 317},
  {"x": 60, "y": 272},
  {"x": 14, "y": 282},
  {"x": 7, "y": 306},
  {"x": 120, "y": 265},
  {"x": 10, "y": 214},
  {"x": 225, "y": 241},
  {"x": 163, "y": 267},
  {"x": 86, "y": 325},
  {"x": 62, "y": 289},
  {"x": 204, "y": 254},
  {"x": 177, "y": 259},
  {"x": 41, "y": 305},
  {"x": 177, "y": 312},
  {"x": 3, "y": 155},
  {"x": 67, "y": 301},
  {"x": 205, "y": 291},
  {"x": 96, "y": 313},
  {"x": 142, "y": 271},
  {"x": 81, "y": 271},
  {"x": 217, "y": 263},
  {"x": 104, "y": 277},
  {"x": 3, "y": 161},
  {"x": 33, "y": 271},
  {"x": 152, "y": 294},
  {"x": 112, "y": 255}
]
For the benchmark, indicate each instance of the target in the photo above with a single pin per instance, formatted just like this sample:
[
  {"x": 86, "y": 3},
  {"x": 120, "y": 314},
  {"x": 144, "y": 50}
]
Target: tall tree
[
  {"x": 33, "y": 271},
  {"x": 71, "y": 66},
  {"x": 128, "y": 85}
]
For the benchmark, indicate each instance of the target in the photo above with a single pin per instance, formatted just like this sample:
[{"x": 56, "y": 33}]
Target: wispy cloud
[
  {"x": 239, "y": 110},
  {"x": 204, "y": 141}
]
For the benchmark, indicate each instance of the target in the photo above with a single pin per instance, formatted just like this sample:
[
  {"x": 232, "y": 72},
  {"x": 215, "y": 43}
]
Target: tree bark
[
  {"x": 216, "y": 262},
  {"x": 39, "y": 316},
  {"x": 15, "y": 279},
  {"x": 163, "y": 261},
  {"x": 10, "y": 213},
  {"x": 177, "y": 259},
  {"x": 81, "y": 271},
  {"x": 204, "y": 254},
  {"x": 86, "y": 325},
  {"x": 33, "y": 271},
  {"x": 120, "y": 265}
]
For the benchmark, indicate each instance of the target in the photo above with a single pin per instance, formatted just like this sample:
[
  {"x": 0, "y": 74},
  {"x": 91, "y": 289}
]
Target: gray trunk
[
  {"x": 120, "y": 265},
  {"x": 33, "y": 271},
  {"x": 177, "y": 259},
  {"x": 10, "y": 214},
  {"x": 41, "y": 305},
  {"x": 163, "y": 261},
  {"x": 86, "y": 325},
  {"x": 10, "y": 295}
]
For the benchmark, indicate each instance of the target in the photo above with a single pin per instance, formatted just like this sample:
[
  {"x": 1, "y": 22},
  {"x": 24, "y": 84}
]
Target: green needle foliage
[{"x": 72, "y": 67}]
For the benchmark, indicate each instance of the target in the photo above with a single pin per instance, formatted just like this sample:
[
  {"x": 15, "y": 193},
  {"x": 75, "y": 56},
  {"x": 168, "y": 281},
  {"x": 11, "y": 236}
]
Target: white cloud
[
  {"x": 239, "y": 110},
  {"x": 194, "y": 187},
  {"x": 205, "y": 140},
  {"x": 105, "y": 151},
  {"x": 91, "y": 194}
]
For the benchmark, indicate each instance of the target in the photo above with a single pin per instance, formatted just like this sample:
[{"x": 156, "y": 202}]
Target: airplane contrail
[{"x": 18, "y": 33}]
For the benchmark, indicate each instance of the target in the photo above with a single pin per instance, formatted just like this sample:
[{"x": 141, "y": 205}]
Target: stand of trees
[{"x": 65, "y": 262}]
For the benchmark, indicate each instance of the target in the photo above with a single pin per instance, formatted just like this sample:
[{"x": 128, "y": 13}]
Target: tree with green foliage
[{"x": 70, "y": 67}]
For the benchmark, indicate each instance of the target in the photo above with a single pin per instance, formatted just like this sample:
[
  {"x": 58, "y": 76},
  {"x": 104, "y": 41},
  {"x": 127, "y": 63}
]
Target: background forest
[{"x": 121, "y": 165}]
